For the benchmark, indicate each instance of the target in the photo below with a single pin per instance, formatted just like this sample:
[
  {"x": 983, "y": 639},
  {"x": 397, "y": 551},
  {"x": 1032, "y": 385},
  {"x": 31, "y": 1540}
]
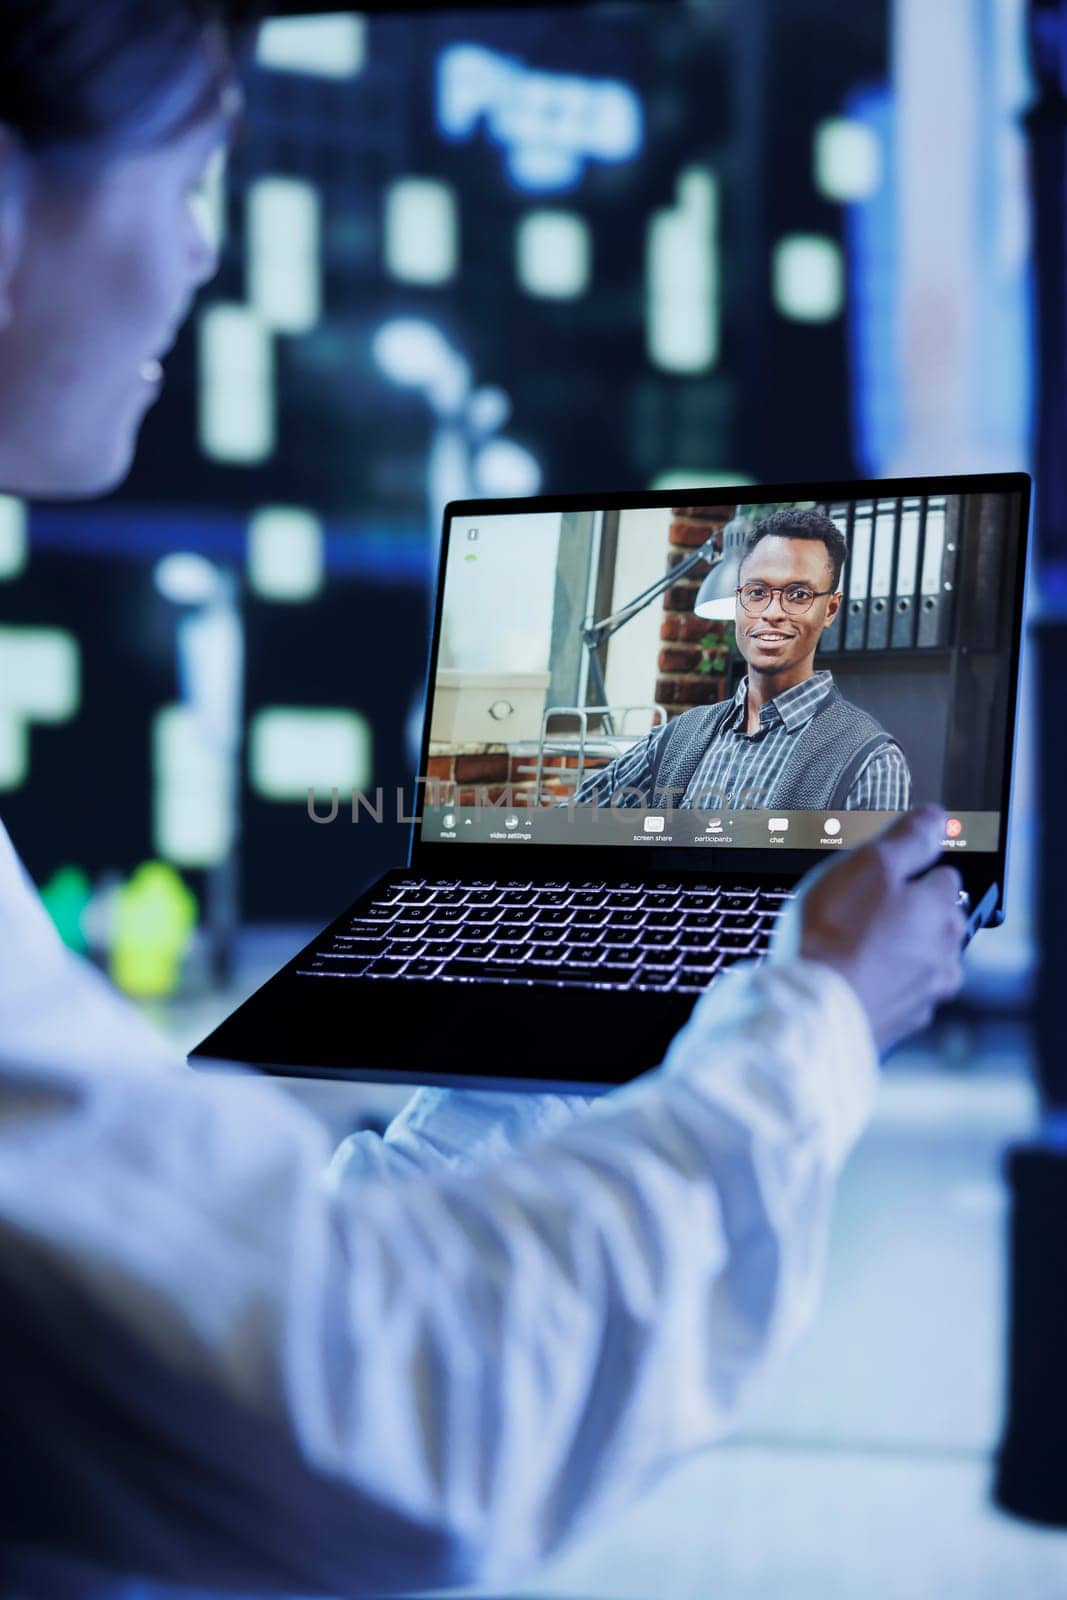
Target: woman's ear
[{"x": 12, "y": 214}]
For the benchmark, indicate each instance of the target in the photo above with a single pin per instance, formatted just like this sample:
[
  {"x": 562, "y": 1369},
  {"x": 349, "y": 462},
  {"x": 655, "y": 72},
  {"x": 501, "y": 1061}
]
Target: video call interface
[{"x": 762, "y": 676}]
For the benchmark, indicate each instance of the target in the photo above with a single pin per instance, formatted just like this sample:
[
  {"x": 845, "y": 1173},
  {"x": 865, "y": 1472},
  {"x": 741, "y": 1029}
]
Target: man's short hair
[{"x": 793, "y": 523}]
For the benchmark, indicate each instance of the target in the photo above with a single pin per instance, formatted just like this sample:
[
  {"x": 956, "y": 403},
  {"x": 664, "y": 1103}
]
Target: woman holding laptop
[{"x": 228, "y": 1360}]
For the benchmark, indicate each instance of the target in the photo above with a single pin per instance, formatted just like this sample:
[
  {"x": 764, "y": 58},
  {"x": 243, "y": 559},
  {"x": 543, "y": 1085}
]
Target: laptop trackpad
[{"x": 477, "y": 1033}]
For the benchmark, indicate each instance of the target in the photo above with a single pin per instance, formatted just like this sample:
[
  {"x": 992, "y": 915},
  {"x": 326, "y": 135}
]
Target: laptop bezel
[{"x": 453, "y": 858}]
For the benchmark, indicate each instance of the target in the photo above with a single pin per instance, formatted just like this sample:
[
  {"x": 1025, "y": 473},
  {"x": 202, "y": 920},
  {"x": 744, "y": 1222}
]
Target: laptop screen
[{"x": 767, "y": 674}]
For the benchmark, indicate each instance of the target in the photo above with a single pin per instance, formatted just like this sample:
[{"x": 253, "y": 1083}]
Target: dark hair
[
  {"x": 113, "y": 74},
  {"x": 794, "y": 523}
]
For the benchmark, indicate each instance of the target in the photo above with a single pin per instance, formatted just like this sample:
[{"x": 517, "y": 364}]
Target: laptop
[{"x": 647, "y": 716}]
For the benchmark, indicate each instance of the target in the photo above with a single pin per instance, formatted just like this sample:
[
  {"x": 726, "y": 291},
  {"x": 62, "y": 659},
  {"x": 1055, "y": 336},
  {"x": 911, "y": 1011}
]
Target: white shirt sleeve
[
  {"x": 278, "y": 1381},
  {"x": 453, "y": 1130}
]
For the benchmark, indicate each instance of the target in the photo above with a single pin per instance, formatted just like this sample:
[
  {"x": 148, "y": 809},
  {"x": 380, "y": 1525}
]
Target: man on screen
[{"x": 788, "y": 739}]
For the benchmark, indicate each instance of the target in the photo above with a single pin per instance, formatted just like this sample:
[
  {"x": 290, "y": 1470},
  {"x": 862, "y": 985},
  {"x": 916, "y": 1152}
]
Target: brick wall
[
  {"x": 488, "y": 777},
  {"x": 680, "y": 682}
]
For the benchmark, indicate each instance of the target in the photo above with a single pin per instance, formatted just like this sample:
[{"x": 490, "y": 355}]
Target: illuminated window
[
  {"x": 293, "y": 749},
  {"x": 421, "y": 231},
  {"x": 39, "y": 673},
  {"x": 325, "y": 46},
  {"x": 285, "y": 553},
  {"x": 284, "y": 267},
  {"x": 415, "y": 354},
  {"x": 193, "y": 802},
  {"x": 695, "y": 479},
  {"x": 187, "y": 578},
  {"x": 12, "y": 537},
  {"x": 14, "y": 750},
  {"x": 553, "y": 254},
  {"x": 848, "y": 160},
  {"x": 237, "y": 401},
  {"x": 40, "y": 681},
  {"x": 503, "y": 468},
  {"x": 683, "y": 278},
  {"x": 808, "y": 278}
]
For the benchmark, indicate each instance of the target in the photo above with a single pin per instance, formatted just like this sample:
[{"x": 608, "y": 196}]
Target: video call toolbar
[{"x": 687, "y": 828}]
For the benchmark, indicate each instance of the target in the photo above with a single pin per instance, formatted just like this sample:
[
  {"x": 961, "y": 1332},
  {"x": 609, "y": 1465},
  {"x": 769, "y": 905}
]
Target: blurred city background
[{"x": 492, "y": 252}]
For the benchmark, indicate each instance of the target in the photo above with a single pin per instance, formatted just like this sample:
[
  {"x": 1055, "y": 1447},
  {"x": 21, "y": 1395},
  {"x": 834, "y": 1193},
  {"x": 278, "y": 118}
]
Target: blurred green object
[
  {"x": 155, "y": 917},
  {"x": 718, "y": 644},
  {"x": 66, "y": 895}
]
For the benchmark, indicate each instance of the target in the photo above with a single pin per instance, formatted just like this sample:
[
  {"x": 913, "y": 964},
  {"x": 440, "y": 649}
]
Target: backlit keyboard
[{"x": 587, "y": 935}]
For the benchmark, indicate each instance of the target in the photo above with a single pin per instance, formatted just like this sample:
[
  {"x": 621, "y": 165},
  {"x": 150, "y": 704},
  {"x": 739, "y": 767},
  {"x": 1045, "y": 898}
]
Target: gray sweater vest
[{"x": 819, "y": 771}]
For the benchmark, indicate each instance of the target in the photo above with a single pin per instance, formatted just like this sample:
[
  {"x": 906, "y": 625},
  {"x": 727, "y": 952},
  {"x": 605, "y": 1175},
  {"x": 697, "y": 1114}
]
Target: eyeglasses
[{"x": 796, "y": 597}]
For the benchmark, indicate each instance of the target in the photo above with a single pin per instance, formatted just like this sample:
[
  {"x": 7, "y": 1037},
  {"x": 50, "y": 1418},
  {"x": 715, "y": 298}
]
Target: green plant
[{"x": 717, "y": 644}]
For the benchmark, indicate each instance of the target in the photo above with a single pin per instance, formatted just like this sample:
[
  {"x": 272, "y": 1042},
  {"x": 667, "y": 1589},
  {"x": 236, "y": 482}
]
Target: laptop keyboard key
[
  {"x": 582, "y": 953},
  {"x": 581, "y": 972},
  {"x": 654, "y": 978},
  {"x": 422, "y": 968},
  {"x": 618, "y": 971},
  {"x": 358, "y": 947},
  {"x": 546, "y": 954},
  {"x": 465, "y": 968},
  {"x": 699, "y": 971},
  {"x": 329, "y": 972}
]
